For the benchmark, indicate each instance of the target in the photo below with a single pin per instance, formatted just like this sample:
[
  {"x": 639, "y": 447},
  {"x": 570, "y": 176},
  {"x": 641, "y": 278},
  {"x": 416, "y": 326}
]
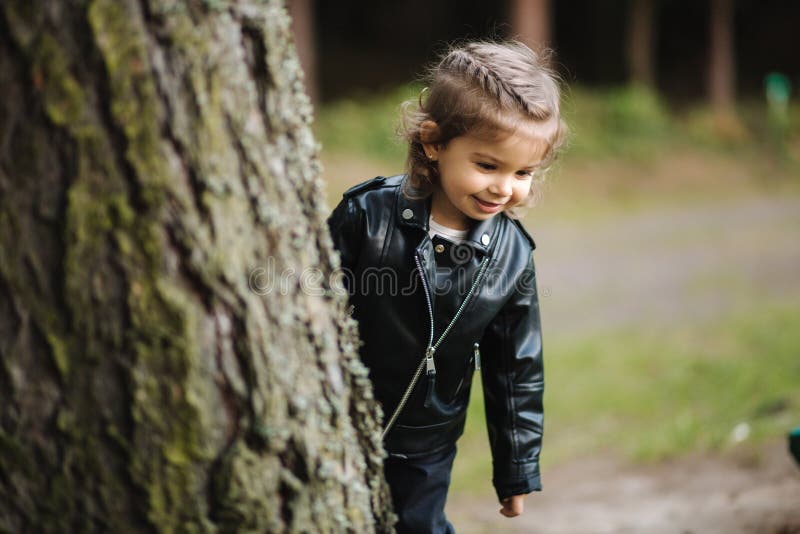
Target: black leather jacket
[{"x": 382, "y": 238}]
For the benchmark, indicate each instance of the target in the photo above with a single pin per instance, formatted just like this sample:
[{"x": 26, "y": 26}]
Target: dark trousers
[{"x": 419, "y": 492}]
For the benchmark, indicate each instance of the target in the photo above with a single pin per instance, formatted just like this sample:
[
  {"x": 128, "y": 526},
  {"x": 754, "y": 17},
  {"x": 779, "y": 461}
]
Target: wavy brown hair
[{"x": 486, "y": 89}]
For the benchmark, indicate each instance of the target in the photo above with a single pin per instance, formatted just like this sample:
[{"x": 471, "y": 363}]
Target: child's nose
[{"x": 502, "y": 186}]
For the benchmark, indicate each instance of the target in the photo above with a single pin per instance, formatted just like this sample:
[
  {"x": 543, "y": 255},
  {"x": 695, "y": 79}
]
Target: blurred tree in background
[
  {"x": 153, "y": 154},
  {"x": 640, "y": 42},
  {"x": 721, "y": 67},
  {"x": 670, "y": 45},
  {"x": 530, "y": 22},
  {"x": 304, "y": 31}
]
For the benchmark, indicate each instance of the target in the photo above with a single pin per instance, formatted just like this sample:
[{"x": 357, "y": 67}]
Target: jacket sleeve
[
  {"x": 346, "y": 225},
  {"x": 513, "y": 385}
]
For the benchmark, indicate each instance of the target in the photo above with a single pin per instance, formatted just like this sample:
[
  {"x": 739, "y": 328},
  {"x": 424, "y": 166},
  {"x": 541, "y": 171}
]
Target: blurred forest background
[{"x": 668, "y": 233}]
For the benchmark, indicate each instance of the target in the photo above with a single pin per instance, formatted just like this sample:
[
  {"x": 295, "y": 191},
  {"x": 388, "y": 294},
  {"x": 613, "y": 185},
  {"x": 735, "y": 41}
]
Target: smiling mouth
[{"x": 487, "y": 206}]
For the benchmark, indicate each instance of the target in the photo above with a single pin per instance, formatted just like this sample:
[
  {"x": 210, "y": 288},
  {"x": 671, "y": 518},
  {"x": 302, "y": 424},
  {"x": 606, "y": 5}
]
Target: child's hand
[{"x": 512, "y": 506}]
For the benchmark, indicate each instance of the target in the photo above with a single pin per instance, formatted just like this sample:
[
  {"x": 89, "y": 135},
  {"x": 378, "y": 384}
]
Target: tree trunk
[
  {"x": 157, "y": 175},
  {"x": 530, "y": 21},
  {"x": 640, "y": 42},
  {"x": 721, "y": 64}
]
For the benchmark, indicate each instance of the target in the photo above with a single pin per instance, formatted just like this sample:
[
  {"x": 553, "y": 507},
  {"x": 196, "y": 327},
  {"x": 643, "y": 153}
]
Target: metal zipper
[
  {"x": 427, "y": 362},
  {"x": 477, "y": 347}
]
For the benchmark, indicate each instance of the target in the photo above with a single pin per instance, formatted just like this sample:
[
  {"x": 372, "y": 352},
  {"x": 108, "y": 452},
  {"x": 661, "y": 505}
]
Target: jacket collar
[{"x": 416, "y": 212}]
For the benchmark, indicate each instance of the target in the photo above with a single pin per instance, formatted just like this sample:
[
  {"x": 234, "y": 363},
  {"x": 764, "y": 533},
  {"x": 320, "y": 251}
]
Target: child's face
[{"x": 480, "y": 177}]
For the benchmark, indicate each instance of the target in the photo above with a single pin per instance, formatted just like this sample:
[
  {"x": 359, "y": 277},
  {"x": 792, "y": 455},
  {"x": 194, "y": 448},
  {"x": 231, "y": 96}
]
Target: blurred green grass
[
  {"x": 626, "y": 122},
  {"x": 365, "y": 125},
  {"x": 650, "y": 395}
]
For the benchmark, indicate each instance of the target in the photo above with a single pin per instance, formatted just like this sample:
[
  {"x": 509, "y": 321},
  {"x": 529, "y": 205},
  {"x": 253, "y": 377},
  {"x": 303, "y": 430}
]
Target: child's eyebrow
[
  {"x": 486, "y": 156},
  {"x": 493, "y": 159}
]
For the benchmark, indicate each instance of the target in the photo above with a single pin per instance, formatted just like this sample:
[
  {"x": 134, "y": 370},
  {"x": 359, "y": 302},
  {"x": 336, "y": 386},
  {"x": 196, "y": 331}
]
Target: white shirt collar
[{"x": 451, "y": 234}]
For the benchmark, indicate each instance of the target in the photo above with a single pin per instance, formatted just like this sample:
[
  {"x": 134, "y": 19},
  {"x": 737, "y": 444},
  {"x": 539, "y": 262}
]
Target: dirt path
[
  {"x": 668, "y": 264},
  {"x": 699, "y": 494}
]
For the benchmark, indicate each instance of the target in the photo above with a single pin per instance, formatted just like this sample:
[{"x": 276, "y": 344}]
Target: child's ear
[{"x": 428, "y": 131}]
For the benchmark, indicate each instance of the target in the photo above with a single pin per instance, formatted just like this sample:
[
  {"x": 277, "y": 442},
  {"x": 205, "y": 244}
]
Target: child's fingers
[
  {"x": 512, "y": 506},
  {"x": 507, "y": 510}
]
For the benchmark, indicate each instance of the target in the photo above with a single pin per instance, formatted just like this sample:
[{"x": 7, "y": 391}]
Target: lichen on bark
[{"x": 155, "y": 153}]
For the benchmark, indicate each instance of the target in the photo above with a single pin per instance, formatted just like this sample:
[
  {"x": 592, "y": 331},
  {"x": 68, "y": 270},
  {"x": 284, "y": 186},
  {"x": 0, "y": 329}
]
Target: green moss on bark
[
  {"x": 62, "y": 94},
  {"x": 167, "y": 370}
]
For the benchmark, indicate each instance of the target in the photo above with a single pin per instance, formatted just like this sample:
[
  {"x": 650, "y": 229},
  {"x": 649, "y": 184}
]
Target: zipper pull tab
[
  {"x": 477, "y": 348},
  {"x": 430, "y": 366}
]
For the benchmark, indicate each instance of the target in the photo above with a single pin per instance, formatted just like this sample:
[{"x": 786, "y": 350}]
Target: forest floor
[{"x": 757, "y": 491}]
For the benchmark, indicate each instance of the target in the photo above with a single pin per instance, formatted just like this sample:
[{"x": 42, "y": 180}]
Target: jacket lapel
[{"x": 415, "y": 213}]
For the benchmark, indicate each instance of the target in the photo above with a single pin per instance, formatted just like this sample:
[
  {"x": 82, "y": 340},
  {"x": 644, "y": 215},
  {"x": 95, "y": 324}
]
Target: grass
[
  {"x": 653, "y": 395},
  {"x": 365, "y": 125},
  {"x": 628, "y": 122}
]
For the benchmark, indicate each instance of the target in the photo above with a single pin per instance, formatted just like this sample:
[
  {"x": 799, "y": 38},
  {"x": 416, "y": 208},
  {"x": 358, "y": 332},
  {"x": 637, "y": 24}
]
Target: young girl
[{"x": 440, "y": 274}]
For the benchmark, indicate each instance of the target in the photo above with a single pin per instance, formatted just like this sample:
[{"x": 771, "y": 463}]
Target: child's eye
[
  {"x": 525, "y": 174},
  {"x": 486, "y": 166}
]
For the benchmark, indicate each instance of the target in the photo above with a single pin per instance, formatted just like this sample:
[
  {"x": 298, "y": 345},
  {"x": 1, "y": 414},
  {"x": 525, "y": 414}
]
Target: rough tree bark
[{"x": 156, "y": 163}]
